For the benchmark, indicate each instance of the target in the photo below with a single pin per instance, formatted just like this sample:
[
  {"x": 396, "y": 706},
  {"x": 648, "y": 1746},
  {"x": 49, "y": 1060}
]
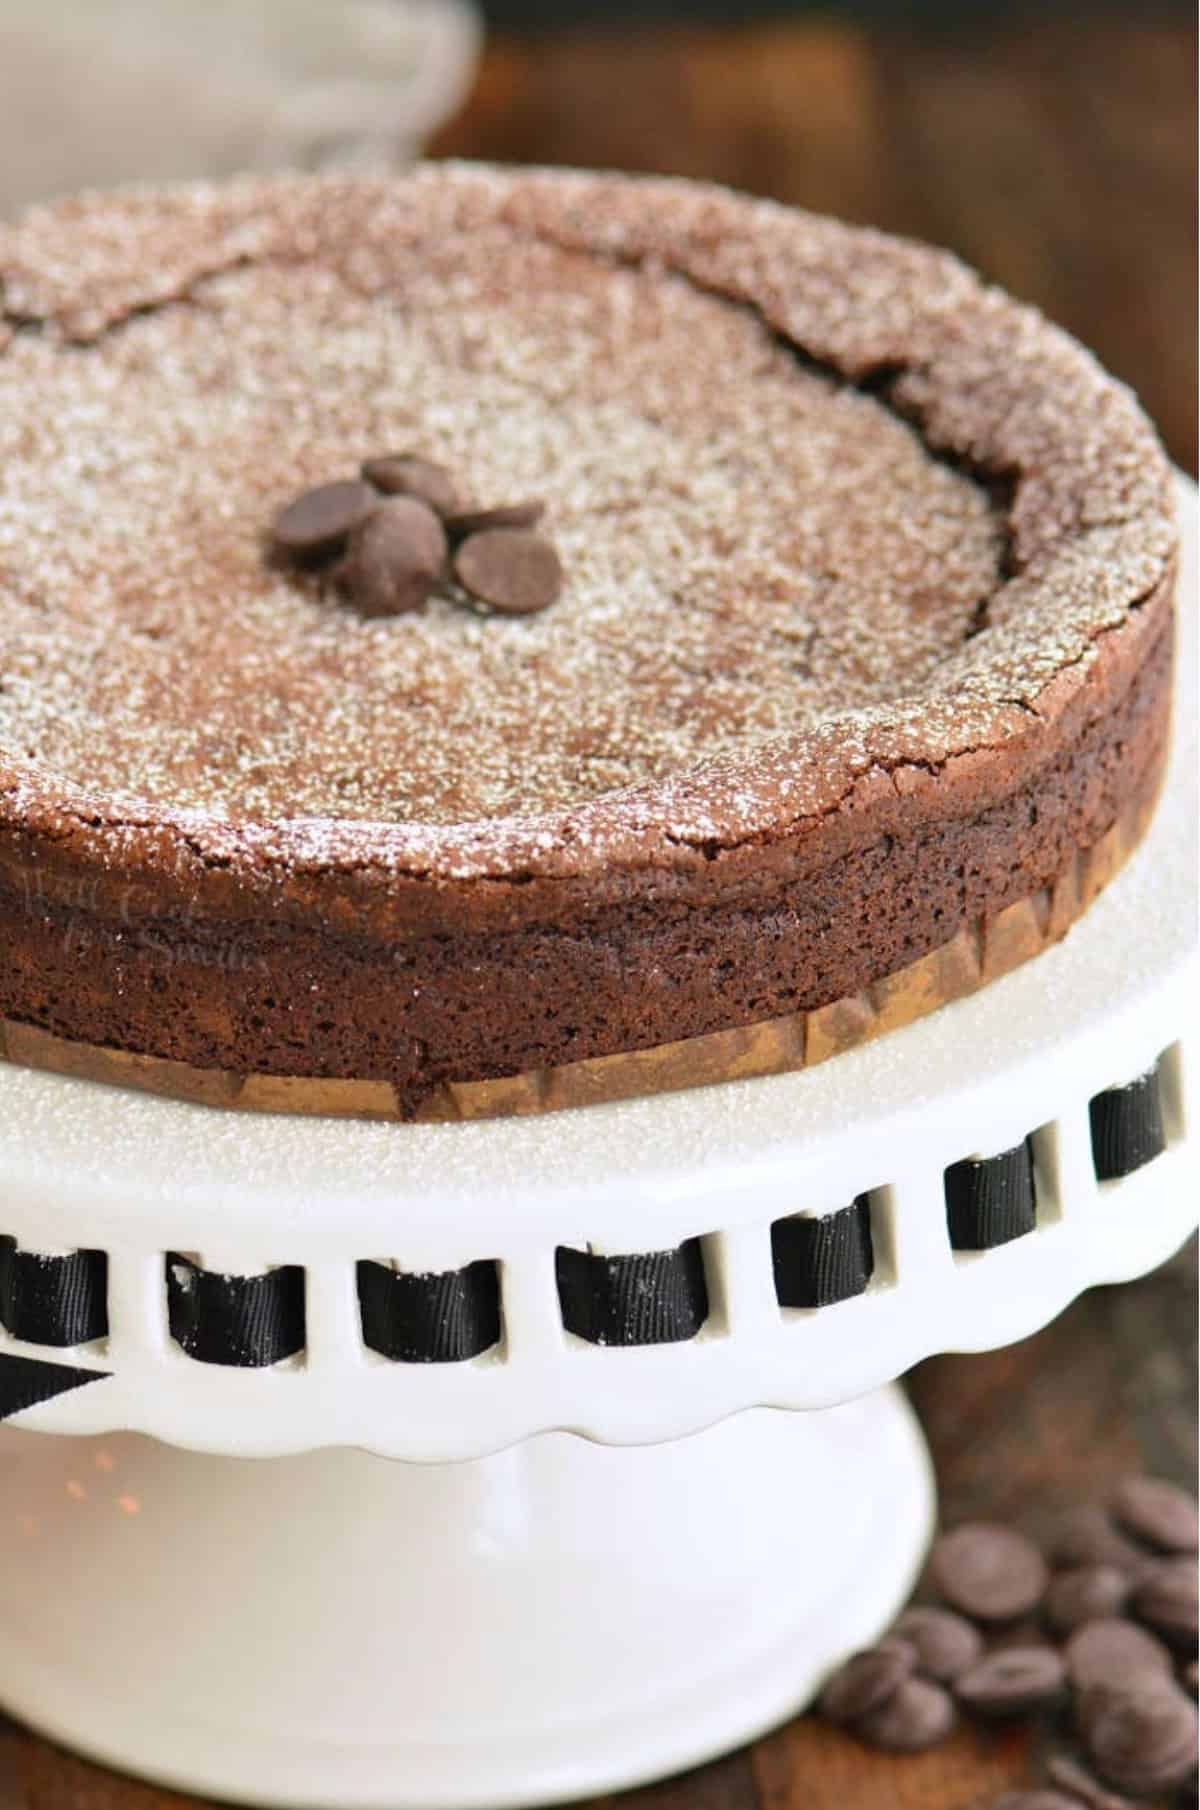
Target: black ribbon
[
  {"x": 429, "y": 1319},
  {"x": 820, "y": 1261},
  {"x": 56, "y": 1301},
  {"x": 991, "y": 1200},
  {"x": 650, "y": 1298},
  {"x": 1127, "y": 1127},
  {"x": 27, "y": 1382},
  {"x": 247, "y": 1322}
]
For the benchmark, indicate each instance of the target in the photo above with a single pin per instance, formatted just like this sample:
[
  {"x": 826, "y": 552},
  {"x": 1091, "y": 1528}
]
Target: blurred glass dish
[{"x": 98, "y": 92}]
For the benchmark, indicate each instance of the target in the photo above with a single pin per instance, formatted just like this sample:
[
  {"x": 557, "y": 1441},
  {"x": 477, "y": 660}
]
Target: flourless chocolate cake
[{"x": 846, "y": 687}]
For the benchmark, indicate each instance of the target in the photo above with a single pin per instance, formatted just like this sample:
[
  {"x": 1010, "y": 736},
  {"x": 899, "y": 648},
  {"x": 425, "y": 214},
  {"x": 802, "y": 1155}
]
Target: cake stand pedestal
[
  {"x": 336, "y": 1629},
  {"x": 513, "y": 1613}
]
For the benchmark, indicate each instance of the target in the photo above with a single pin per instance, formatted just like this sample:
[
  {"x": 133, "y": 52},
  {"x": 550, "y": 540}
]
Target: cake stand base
[{"x": 340, "y": 1631}]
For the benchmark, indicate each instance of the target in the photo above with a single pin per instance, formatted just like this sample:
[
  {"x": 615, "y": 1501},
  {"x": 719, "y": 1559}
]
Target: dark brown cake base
[
  {"x": 979, "y": 953},
  {"x": 806, "y": 977}
]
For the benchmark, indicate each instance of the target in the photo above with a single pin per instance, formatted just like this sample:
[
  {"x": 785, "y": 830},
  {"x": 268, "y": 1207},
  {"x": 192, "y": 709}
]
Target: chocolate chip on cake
[
  {"x": 866, "y": 1681},
  {"x": 1158, "y": 1513},
  {"x": 507, "y": 515},
  {"x": 918, "y": 1714},
  {"x": 1012, "y": 1681},
  {"x": 321, "y": 518},
  {"x": 988, "y": 1571},
  {"x": 1140, "y": 1739},
  {"x": 408, "y": 474},
  {"x": 1166, "y": 1598},
  {"x": 945, "y": 1643},
  {"x": 515, "y": 572},
  {"x": 1086, "y": 1593},
  {"x": 394, "y": 559},
  {"x": 1112, "y": 1651}
]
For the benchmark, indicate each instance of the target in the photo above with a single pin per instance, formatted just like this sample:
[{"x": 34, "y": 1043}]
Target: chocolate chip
[
  {"x": 988, "y": 1571},
  {"x": 945, "y": 1643},
  {"x": 1085, "y": 1593},
  {"x": 866, "y": 1681},
  {"x": 514, "y": 571},
  {"x": 507, "y": 515},
  {"x": 1140, "y": 1740},
  {"x": 394, "y": 558},
  {"x": 1115, "y": 1652},
  {"x": 407, "y": 474},
  {"x": 1191, "y": 1677},
  {"x": 1034, "y": 1800},
  {"x": 1088, "y": 1536},
  {"x": 323, "y": 517},
  {"x": 1012, "y": 1681},
  {"x": 917, "y": 1715},
  {"x": 1084, "y": 1789},
  {"x": 1158, "y": 1513},
  {"x": 1166, "y": 1597}
]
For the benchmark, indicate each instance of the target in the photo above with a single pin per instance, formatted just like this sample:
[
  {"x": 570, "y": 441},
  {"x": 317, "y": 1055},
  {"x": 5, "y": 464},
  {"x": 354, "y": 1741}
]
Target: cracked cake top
[{"x": 827, "y": 508}]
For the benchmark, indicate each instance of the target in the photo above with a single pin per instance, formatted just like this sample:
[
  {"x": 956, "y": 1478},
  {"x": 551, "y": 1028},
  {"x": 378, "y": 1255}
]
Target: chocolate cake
[{"x": 854, "y": 691}]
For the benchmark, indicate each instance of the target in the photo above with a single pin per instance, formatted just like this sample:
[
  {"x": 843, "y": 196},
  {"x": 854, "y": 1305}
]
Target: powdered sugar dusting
[{"x": 767, "y": 573}]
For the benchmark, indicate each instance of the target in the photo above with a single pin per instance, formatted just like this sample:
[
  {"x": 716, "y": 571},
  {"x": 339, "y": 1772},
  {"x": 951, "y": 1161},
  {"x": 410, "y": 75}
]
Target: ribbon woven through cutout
[
  {"x": 1127, "y": 1127},
  {"x": 429, "y": 1319},
  {"x": 246, "y": 1322},
  {"x": 651, "y": 1298},
  {"x": 820, "y": 1261},
  {"x": 991, "y": 1200},
  {"x": 57, "y": 1301}
]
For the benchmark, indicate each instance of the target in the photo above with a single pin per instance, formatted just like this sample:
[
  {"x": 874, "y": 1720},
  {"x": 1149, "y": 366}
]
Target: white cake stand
[{"x": 517, "y": 1614}]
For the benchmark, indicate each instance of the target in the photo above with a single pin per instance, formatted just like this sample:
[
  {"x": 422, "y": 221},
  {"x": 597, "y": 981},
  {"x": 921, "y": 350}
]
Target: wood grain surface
[{"x": 1059, "y": 157}]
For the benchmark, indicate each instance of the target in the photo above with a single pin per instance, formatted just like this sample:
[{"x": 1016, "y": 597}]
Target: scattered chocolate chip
[
  {"x": 1141, "y": 1740},
  {"x": 918, "y": 1714},
  {"x": 866, "y": 1681},
  {"x": 514, "y": 571},
  {"x": 1088, "y": 1536},
  {"x": 988, "y": 1571},
  {"x": 1114, "y": 1652},
  {"x": 1084, "y": 1789},
  {"x": 1085, "y": 1593},
  {"x": 1036, "y": 1799},
  {"x": 1158, "y": 1513},
  {"x": 322, "y": 518},
  {"x": 945, "y": 1643},
  {"x": 407, "y": 474},
  {"x": 394, "y": 559},
  {"x": 1166, "y": 1597},
  {"x": 1191, "y": 1677},
  {"x": 508, "y": 515},
  {"x": 1012, "y": 1681}
]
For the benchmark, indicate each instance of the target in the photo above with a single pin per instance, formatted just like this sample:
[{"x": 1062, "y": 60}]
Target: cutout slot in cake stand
[{"x": 518, "y": 1614}]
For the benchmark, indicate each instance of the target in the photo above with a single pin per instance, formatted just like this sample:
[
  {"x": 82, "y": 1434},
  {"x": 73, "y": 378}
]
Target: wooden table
[
  {"x": 1062, "y": 162},
  {"x": 1058, "y": 157}
]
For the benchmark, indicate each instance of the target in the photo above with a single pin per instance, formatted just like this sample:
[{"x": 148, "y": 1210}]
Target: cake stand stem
[{"x": 337, "y": 1632}]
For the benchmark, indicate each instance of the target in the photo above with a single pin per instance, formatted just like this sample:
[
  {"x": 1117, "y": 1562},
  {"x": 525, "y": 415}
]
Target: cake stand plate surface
[{"x": 218, "y": 1575}]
